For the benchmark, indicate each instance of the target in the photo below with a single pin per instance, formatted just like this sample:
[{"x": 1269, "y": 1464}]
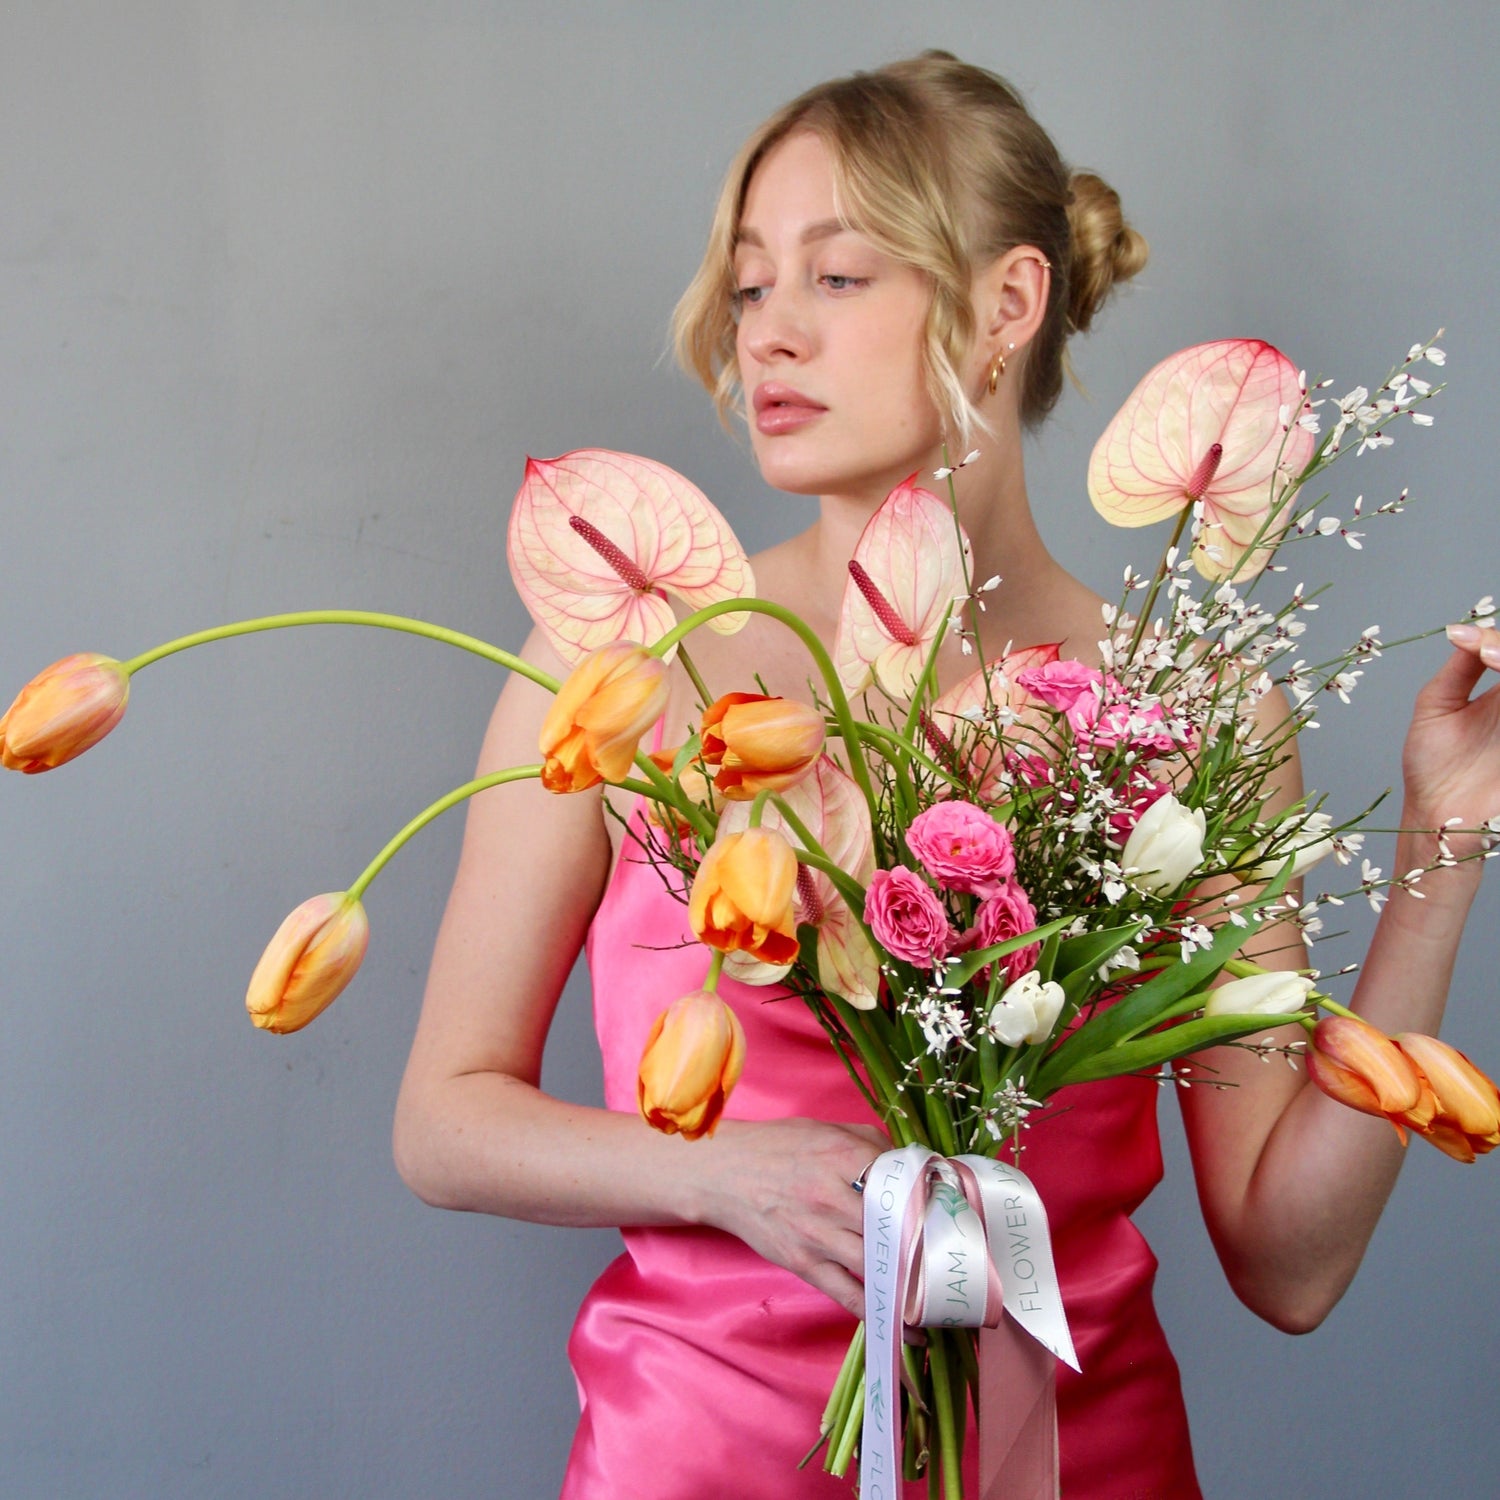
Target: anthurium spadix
[
  {"x": 833, "y": 810},
  {"x": 1216, "y": 423},
  {"x": 598, "y": 539},
  {"x": 906, "y": 574}
]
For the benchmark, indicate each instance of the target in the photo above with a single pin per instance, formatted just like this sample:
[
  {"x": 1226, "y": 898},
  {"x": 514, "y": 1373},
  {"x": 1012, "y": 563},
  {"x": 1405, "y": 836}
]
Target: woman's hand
[
  {"x": 1451, "y": 759},
  {"x": 785, "y": 1187}
]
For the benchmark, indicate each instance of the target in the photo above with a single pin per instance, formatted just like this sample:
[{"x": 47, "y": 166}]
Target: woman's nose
[{"x": 778, "y": 328}]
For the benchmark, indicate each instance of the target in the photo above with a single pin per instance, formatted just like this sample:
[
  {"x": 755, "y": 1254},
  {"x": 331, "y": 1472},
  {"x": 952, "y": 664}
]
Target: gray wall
[{"x": 288, "y": 290}]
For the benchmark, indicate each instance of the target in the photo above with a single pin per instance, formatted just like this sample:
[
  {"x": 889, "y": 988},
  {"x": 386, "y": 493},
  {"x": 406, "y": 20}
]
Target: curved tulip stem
[
  {"x": 423, "y": 818},
  {"x": 1337, "y": 1009},
  {"x": 402, "y": 623},
  {"x": 715, "y": 968},
  {"x": 848, "y": 728}
]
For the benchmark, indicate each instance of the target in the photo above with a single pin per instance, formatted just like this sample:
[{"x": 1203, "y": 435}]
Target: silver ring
[{"x": 858, "y": 1183}]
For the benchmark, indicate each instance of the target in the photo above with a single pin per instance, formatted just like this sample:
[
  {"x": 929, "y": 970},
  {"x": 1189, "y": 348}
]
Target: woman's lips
[{"x": 779, "y": 409}]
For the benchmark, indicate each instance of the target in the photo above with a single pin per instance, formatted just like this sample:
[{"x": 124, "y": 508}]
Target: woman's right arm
[{"x": 473, "y": 1129}]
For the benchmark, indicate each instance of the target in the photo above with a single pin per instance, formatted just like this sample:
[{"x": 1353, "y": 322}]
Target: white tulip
[
  {"x": 1027, "y": 1011},
  {"x": 1165, "y": 846},
  {"x": 1276, "y": 994},
  {"x": 1307, "y": 846}
]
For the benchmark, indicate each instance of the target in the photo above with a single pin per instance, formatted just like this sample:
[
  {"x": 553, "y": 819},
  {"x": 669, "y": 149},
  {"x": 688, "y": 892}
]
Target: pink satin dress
[{"x": 703, "y": 1370}]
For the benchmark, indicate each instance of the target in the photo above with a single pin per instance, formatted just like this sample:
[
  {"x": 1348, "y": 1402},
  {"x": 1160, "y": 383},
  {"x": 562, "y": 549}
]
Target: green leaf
[
  {"x": 1152, "y": 1001},
  {"x": 1159, "y": 1047},
  {"x": 971, "y": 963}
]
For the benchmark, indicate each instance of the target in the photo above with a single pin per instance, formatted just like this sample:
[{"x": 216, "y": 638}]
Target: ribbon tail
[{"x": 1017, "y": 1416}]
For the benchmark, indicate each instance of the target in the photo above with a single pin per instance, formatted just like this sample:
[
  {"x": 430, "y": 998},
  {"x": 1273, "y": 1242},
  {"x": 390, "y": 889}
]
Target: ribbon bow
[{"x": 960, "y": 1243}]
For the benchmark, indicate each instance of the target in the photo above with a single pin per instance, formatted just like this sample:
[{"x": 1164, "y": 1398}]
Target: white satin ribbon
[{"x": 958, "y": 1244}]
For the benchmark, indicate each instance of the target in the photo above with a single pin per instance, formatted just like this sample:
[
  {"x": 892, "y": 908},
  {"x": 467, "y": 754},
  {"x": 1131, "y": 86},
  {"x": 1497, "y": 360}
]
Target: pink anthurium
[
  {"x": 966, "y": 724},
  {"x": 906, "y": 573},
  {"x": 598, "y": 539},
  {"x": 1216, "y": 423},
  {"x": 835, "y": 812}
]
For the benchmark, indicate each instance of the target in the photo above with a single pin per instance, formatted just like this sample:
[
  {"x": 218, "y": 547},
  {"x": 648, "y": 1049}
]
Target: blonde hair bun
[{"x": 1106, "y": 250}]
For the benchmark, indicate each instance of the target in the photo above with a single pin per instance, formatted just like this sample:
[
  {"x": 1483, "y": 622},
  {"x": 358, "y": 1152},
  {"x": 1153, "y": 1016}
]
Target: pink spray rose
[
  {"x": 906, "y": 917},
  {"x": 962, "y": 847},
  {"x": 1068, "y": 686},
  {"x": 1007, "y": 914}
]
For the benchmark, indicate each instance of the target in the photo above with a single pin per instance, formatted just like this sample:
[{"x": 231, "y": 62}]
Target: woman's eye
[
  {"x": 836, "y": 283},
  {"x": 748, "y": 296}
]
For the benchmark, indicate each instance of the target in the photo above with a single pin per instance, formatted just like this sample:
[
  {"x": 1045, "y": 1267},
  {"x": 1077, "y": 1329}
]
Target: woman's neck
[{"x": 995, "y": 512}]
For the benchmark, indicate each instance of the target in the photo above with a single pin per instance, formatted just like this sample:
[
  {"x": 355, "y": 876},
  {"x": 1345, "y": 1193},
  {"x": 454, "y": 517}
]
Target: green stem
[
  {"x": 348, "y": 617},
  {"x": 423, "y": 818},
  {"x": 1150, "y": 603},
  {"x": 704, "y": 696},
  {"x": 949, "y": 1440},
  {"x": 848, "y": 728},
  {"x": 715, "y": 967}
]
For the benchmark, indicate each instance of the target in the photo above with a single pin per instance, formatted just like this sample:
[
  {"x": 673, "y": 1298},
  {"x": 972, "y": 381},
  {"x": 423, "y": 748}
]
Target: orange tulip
[
  {"x": 759, "y": 743},
  {"x": 691, "y": 1061},
  {"x": 1360, "y": 1066},
  {"x": 315, "y": 953},
  {"x": 1467, "y": 1122},
  {"x": 741, "y": 900},
  {"x": 594, "y": 727},
  {"x": 61, "y": 712}
]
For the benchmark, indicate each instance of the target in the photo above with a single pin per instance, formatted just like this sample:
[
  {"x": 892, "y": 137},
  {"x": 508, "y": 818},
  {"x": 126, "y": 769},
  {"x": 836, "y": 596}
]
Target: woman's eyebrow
[{"x": 821, "y": 229}]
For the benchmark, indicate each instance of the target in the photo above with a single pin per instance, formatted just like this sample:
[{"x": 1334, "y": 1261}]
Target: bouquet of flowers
[{"x": 1041, "y": 876}]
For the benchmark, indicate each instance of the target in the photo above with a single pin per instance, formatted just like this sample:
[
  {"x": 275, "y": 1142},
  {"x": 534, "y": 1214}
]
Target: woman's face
[{"x": 830, "y": 338}]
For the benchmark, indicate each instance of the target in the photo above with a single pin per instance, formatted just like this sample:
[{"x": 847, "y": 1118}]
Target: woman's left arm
[{"x": 1292, "y": 1182}]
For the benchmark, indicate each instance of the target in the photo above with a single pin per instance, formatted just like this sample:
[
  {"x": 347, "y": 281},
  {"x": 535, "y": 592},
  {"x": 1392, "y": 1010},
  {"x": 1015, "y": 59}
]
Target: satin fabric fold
[{"x": 703, "y": 1370}]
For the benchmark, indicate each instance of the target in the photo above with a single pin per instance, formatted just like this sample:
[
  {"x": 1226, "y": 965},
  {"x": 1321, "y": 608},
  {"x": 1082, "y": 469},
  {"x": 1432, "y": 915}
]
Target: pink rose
[
  {"x": 962, "y": 847},
  {"x": 1068, "y": 686},
  {"x": 907, "y": 918},
  {"x": 1007, "y": 914}
]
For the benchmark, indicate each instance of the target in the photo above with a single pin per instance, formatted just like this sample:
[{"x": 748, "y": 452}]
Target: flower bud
[
  {"x": 759, "y": 743},
  {"x": 1353, "y": 1062},
  {"x": 691, "y": 1061},
  {"x": 1027, "y": 1011},
  {"x": 1467, "y": 1121},
  {"x": 1165, "y": 846},
  {"x": 63, "y": 711},
  {"x": 1278, "y": 993},
  {"x": 741, "y": 898},
  {"x": 315, "y": 953},
  {"x": 594, "y": 727},
  {"x": 1312, "y": 840}
]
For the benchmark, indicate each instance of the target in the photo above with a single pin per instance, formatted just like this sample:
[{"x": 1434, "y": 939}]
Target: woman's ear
[{"x": 1010, "y": 299}]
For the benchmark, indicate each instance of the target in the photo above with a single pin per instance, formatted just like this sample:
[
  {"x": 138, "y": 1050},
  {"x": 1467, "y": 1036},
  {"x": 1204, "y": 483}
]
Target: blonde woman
[{"x": 897, "y": 259}]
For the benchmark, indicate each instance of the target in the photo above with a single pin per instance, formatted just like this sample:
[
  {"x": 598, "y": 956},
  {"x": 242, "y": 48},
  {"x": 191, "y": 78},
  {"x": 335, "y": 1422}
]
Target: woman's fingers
[{"x": 1450, "y": 687}]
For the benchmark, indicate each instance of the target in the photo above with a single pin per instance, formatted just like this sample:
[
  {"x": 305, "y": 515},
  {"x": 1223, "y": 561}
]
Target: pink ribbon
[{"x": 963, "y": 1242}]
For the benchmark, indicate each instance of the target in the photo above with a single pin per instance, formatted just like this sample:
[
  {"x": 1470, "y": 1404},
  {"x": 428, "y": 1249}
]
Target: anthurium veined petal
[
  {"x": 912, "y": 568},
  {"x": 596, "y": 537},
  {"x": 990, "y": 702},
  {"x": 847, "y": 962},
  {"x": 833, "y": 810},
  {"x": 1154, "y": 457}
]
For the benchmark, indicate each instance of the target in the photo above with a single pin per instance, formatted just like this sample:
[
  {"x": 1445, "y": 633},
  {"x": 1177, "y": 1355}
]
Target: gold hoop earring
[{"x": 997, "y": 369}]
